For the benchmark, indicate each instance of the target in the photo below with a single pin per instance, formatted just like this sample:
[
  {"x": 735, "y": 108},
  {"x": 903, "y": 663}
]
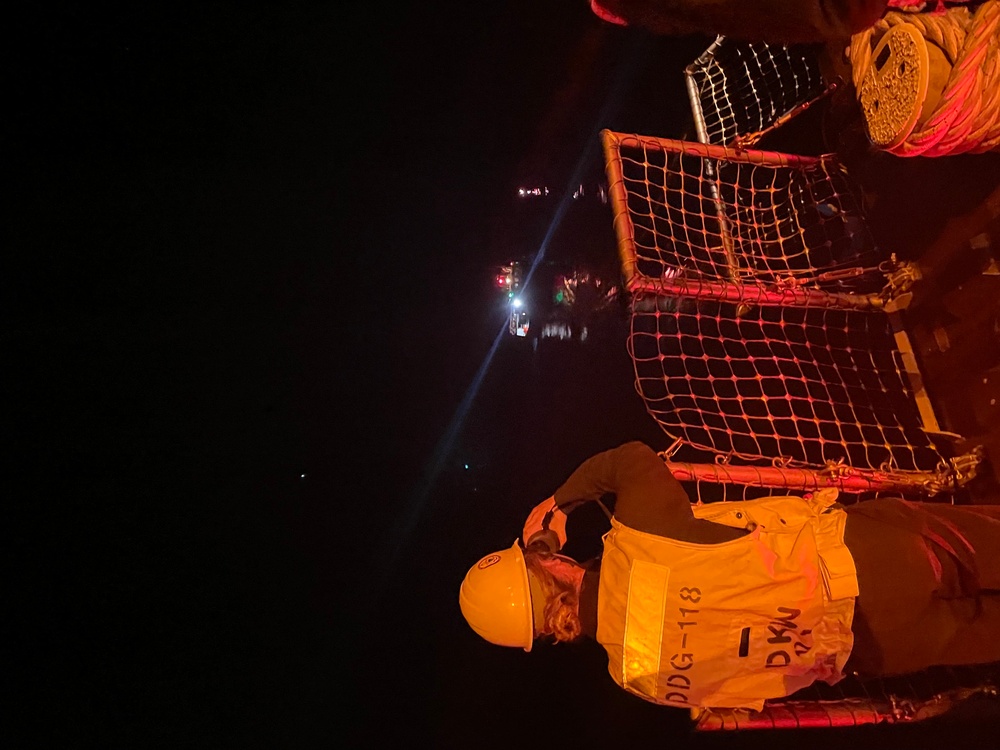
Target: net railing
[
  {"x": 709, "y": 478},
  {"x": 810, "y": 385},
  {"x": 740, "y": 90},
  {"x": 708, "y": 213},
  {"x": 765, "y": 340},
  {"x": 761, "y": 325}
]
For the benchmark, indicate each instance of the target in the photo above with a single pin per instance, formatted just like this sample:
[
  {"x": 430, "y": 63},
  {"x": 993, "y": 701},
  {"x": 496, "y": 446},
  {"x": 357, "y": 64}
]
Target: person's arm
[
  {"x": 648, "y": 497},
  {"x": 772, "y": 21}
]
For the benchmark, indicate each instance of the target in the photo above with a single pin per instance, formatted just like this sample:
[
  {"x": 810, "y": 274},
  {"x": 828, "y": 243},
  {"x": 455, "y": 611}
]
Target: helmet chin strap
[
  {"x": 561, "y": 566},
  {"x": 544, "y": 541},
  {"x": 538, "y": 601}
]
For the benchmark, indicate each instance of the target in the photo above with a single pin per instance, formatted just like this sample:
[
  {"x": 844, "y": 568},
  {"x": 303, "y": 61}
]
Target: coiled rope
[{"x": 966, "y": 117}]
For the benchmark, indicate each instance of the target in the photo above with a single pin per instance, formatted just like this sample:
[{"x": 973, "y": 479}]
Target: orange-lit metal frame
[{"x": 612, "y": 144}]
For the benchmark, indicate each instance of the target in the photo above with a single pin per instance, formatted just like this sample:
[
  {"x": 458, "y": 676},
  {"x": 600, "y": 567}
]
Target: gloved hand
[{"x": 546, "y": 516}]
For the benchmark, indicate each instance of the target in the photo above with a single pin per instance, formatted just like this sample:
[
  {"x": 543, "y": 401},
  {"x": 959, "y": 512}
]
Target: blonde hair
[{"x": 561, "y": 617}]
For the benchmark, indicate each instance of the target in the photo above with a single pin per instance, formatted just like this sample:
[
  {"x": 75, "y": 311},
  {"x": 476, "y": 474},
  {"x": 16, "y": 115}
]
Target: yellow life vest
[{"x": 730, "y": 625}]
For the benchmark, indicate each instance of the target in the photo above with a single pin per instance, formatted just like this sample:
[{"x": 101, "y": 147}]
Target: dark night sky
[{"x": 246, "y": 289}]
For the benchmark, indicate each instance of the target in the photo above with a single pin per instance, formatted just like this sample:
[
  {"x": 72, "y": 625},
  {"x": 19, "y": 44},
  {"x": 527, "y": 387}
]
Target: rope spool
[{"x": 929, "y": 82}]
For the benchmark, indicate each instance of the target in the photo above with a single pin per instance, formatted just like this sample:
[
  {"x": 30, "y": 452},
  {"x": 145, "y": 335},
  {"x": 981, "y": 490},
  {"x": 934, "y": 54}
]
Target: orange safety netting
[
  {"x": 807, "y": 385},
  {"x": 742, "y": 215},
  {"x": 739, "y": 90},
  {"x": 706, "y": 234}
]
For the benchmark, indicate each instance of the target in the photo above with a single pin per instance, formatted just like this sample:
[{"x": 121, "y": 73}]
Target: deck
[{"x": 943, "y": 214}]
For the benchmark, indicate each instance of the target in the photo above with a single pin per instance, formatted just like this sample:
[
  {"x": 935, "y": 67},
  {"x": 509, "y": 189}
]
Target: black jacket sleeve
[{"x": 648, "y": 497}]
